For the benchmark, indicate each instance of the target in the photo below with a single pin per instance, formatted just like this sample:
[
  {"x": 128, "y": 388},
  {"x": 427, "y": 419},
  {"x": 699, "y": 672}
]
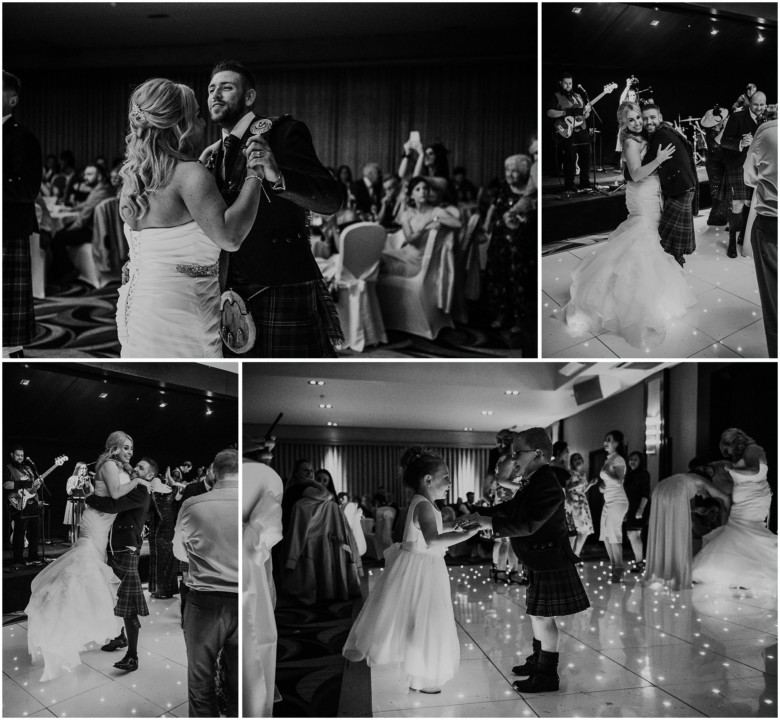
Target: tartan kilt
[
  {"x": 552, "y": 593},
  {"x": 18, "y": 307},
  {"x": 293, "y": 321},
  {"x": 130, "y": 598},
  {"x": 676, "y": 228},
  {"x": 733, "y": 186}
]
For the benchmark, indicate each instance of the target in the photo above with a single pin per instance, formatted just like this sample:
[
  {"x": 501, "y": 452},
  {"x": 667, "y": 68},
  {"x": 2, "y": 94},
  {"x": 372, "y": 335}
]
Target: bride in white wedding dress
[
  {"x": 629, "y": 285},
  {"x": 73, "y": 599},
  {"x": 743, "y": 552},
  {"x": 176, "y": 222}
]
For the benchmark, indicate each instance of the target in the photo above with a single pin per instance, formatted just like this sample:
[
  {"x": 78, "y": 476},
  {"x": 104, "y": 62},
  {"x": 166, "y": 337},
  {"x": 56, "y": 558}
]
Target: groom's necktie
[{"x": 231, "y": 144}]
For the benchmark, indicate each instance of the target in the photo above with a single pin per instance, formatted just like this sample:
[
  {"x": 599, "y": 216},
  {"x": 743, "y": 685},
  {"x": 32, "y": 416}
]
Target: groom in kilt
[
  {"x": 124, "y": 551},
  {"x": 535, "y": 520},
  {"x": 678, "y": 184}
]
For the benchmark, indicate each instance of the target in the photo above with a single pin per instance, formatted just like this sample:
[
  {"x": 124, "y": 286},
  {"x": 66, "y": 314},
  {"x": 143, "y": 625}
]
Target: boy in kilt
[
  {"x": 678, "y": 184},
  {"x": 535, "y": 520},
  {"x": 124, "y": 551}
]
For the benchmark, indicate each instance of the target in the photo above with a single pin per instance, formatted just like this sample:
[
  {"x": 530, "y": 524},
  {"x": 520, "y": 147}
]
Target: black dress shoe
[
  {"x": 539, "y": 682},
  {"x": 127, "y": 663},
  {"x": 116, "y": 644}
]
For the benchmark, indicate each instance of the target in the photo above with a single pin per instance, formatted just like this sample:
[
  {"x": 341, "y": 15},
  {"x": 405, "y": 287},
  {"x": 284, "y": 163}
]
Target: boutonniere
[
  {"x": 261, "y": 126},
  {"x": 523, "y": 483}
]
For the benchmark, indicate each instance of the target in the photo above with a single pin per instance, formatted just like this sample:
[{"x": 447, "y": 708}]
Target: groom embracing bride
[{"x": 678, "y": 184}]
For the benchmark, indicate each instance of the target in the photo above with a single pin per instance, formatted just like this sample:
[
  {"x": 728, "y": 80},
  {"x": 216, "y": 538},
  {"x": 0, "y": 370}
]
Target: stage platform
[{"x": 592, "y": 211}]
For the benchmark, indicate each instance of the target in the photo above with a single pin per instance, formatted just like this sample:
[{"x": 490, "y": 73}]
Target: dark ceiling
[
  {"x": 60, "y": 410},
  {"x": 70, "y": 35},
  {"x": 621, "y": 35}
]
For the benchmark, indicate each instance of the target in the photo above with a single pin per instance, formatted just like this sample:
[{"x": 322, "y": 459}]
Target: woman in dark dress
[
  {"x": 511, "y": 260},
  {"x": 163, "y": 566},
  {"x": 637, "y": 487}
]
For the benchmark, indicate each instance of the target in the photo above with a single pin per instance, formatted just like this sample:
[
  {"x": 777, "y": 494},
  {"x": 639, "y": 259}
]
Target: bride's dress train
[
  {"x": 629, "y": 285},
  {"x": 73, "y": 599},
  {"x": 170, "y": 305},
  {"x": 743, "y": 552}
]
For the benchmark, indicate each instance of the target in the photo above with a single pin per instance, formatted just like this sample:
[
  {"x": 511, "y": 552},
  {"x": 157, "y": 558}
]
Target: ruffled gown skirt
[
  {"x": 408, "y": 619},
  {"x": 629, "y": 285},
  {"x": 73, "y": 599}
]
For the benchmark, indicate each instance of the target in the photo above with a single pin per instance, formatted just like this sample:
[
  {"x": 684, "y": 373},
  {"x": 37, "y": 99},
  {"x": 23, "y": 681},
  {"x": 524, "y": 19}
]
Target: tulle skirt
[
  {"x": 72, "y": 602},
  {"x": 742, "y": 553},
  {"x": 408, "y": 620},
  {"x": 629, "y": 285}
]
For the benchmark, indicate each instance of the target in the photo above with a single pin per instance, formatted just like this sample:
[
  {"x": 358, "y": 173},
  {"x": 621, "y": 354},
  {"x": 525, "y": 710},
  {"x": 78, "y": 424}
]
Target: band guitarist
[
  {"x": 571, "y": 111},
  {"x": 17, "y": 475}
]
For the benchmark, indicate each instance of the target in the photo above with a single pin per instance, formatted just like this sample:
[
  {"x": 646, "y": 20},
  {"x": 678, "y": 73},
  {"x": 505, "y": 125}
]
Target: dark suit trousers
[
  {"x": 30, "y": 525},
  {"x": 763, "y": 239},
  {"x": 211, "y": 625},
  {"x": 577, "y": 145}
]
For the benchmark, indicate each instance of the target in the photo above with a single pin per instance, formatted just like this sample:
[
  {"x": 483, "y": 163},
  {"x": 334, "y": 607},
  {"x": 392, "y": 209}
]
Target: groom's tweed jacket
[
  {"x": 677, "y": 174},
  {"x": 131, "y": 510},
  {"x": 535, "y": 520}
]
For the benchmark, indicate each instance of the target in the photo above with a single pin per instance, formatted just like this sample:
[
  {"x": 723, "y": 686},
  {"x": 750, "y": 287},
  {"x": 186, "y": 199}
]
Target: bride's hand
[
  {"x": 665, "y": 153},
  {"x": 260, "y": 158}
]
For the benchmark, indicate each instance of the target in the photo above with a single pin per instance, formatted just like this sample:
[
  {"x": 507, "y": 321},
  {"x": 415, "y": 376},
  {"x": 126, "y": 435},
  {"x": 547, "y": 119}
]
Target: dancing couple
[
  {"x": 408, "y": 617},
  {"x": 201, "y": 221},
  {"x": 633, "y": 284},
  {"x": 77, "y": 599}
]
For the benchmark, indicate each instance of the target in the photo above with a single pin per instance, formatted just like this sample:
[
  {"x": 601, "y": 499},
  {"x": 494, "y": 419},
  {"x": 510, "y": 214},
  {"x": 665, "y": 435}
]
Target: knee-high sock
[
  {"x": 132, "y": 627},
  {"x": 743, "y": 223},
  {"x": 735, "y": 221}
]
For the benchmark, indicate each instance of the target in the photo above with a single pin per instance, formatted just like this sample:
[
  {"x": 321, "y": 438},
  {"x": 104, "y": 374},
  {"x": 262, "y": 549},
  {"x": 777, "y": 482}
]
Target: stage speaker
[{"x": 588, "y": 390}]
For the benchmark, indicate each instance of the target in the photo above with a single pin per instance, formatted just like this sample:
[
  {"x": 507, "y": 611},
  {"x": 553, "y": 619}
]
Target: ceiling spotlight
[
  {"x": 326, "y": 406},
  {"x": 714, "y": 31},
  {"x": 332, "y": 424},
  {"x": 316, "y": 382},
  {"x": 654, "y": 22},
  {"x": 576, "y": 10},
  {"x": 103, "y": 396},
  {"x": 467, "y": 429},
  {"x": 511, "y": 392},
  {"x": 760, "y": 38},
  {"x": 163, "y": 404},
  {"x": 487, "y": 412},
  {"x": 209, "y": 411},
  {"x": 24, "y": 382}
]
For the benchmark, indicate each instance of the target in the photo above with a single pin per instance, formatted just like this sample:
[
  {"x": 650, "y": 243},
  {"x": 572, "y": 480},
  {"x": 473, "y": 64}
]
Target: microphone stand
[
  {"x": 42, "y": 514},
  {"x": 592, "y": 134}
]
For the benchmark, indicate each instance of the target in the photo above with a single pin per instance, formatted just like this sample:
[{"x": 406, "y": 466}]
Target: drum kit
[{"x": 695, "y": 135}]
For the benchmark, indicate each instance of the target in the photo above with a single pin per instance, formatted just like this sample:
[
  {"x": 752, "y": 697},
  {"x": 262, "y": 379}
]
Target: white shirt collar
[{"x": 240, "y": 127}]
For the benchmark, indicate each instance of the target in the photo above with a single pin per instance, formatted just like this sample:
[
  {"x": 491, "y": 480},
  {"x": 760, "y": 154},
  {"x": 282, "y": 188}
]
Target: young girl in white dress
[
  {"x": 72, "y": 600},
  {"x": 408, "y": 617}
]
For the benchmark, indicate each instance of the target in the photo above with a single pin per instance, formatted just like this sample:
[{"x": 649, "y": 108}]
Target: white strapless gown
[
  {"x": 628, "y": 284},
  {"x": 743, "y": 552},
  {"x": 163, "y": 310},
  {"x": 73, "y": 598}
]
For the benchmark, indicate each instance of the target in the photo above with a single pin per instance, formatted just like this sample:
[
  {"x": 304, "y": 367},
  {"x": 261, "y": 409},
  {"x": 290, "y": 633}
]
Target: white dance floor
[
  {"x": 636, "y": 652},
  {"x": 96, "y": 689},
  {"x": 725, "y": 323}
]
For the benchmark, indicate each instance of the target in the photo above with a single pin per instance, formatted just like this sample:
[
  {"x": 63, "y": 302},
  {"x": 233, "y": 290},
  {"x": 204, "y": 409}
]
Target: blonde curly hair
[
  {"x": 163, "y": 130},
  {"x": 622, "y": 112}
]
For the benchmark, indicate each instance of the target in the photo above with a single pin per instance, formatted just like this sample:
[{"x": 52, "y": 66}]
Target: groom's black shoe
[
  {"x": 128, "y": 663},
  {"x": 119, "y": 642},
  {"x": 544, "y": 679},
  {"x": 531, "y": 662}
]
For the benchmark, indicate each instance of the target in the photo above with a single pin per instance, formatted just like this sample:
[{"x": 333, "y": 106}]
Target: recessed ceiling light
[
  {"x": 760, "y": 38},
  {"x": 163, "y": 404},
  {"x": 326, "y": 406},
  {"x": 487, "y": 412},
  {"x": 468, "y": 429},
  {"x": 316, "y": 382},
  {"x": 24, "y": 382},
  {"x": 511, "y": 392},
  {"x": 654, "y": 22},
  {"x": 576, "y": 10},
  {"x": 209, "y": 411},
  {"x": 714, "y": 31},
  {"x": 103, "y": 396}
]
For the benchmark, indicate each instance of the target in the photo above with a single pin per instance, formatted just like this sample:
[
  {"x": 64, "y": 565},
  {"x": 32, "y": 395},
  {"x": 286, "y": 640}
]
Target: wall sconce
[{"x": 653, "y": 434}]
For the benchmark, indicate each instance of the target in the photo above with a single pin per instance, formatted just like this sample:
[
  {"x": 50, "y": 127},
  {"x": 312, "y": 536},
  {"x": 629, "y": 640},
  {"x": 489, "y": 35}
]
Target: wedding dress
[
  {"x": 408, "y": 617},
  {"x": 170, "y": 305},
  {"x": 743, "y": 552},
  {"x": 73, "y": 599},
  {"x": 629, "y": 285}
]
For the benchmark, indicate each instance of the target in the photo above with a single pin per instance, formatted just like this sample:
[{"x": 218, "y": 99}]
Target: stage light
[
  {"x": 326, "y": 406},
  {"x": 163, "y": 404},
  {"x": 655, "y": 22},
  {"x": 209, "y": 411},
  {"x": 760, "y": 38},
  {"x": 713, "y": 31},
  {"x": 576, "y": 10},
  {"x": 103, "y": 396},
  {"x": 25, "y": 383}
]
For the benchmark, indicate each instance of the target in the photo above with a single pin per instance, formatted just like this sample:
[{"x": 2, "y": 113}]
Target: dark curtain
[{"x": 481, "y": 111}]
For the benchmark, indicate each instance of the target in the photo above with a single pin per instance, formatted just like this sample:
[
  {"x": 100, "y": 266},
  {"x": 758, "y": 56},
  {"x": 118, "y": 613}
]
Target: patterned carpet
[
  {"x": 78, "y": 322},
  {"x": 310, "y": 666}
]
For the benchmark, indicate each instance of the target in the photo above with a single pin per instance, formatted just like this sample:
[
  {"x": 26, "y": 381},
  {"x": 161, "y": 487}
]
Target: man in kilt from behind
[
  {"x": 678, "y": 184},
  {"x": 535, "y": 520},
  {"x": 124, "y": 551}
]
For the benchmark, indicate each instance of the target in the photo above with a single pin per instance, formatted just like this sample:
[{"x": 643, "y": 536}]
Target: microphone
[{"x": 582, "y": 90}]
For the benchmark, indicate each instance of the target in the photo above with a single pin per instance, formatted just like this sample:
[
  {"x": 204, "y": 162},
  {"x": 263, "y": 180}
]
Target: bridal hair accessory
[{"x": 137, "y": 113}]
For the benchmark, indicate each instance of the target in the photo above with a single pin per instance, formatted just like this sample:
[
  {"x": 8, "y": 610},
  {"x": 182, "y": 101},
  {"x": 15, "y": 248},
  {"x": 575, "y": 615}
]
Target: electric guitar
[
  {"x": 566, "y": 125},
  {"x": 23, "y": 496}
]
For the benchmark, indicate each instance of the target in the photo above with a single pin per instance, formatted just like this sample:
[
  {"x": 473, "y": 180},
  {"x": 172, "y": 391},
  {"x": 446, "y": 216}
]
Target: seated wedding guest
[
  {"x": 79, "y": 229},
  {"x": 669, "y": 538},
  {"x": 65, "y": 175},
  {"x": 392, "y": 203},
  {"x": 465, "y": 191},
  {"x": 344, "y": 177},
  {"x": 417, "y": 220},
  {"x": 367, "y": 506},
  {"x": 262, "y": 530},
  {"x": 368, "y": 191},
  {"x": 319, "y": 555},
  {"x": 323, "y": 477},
  {"x": 49, "y": 171},
  {"x": 511, "y": 261},
  {"x": 207, "y": 538}
]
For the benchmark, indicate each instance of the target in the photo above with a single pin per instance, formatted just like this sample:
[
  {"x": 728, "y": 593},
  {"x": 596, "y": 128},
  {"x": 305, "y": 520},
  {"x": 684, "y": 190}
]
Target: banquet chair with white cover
[
  {"x": 467, "y": 271},
  {"x": 109, "y": 245},
  {"x": 360, "y": 247},
  {"x": 420, "y": 305}
]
